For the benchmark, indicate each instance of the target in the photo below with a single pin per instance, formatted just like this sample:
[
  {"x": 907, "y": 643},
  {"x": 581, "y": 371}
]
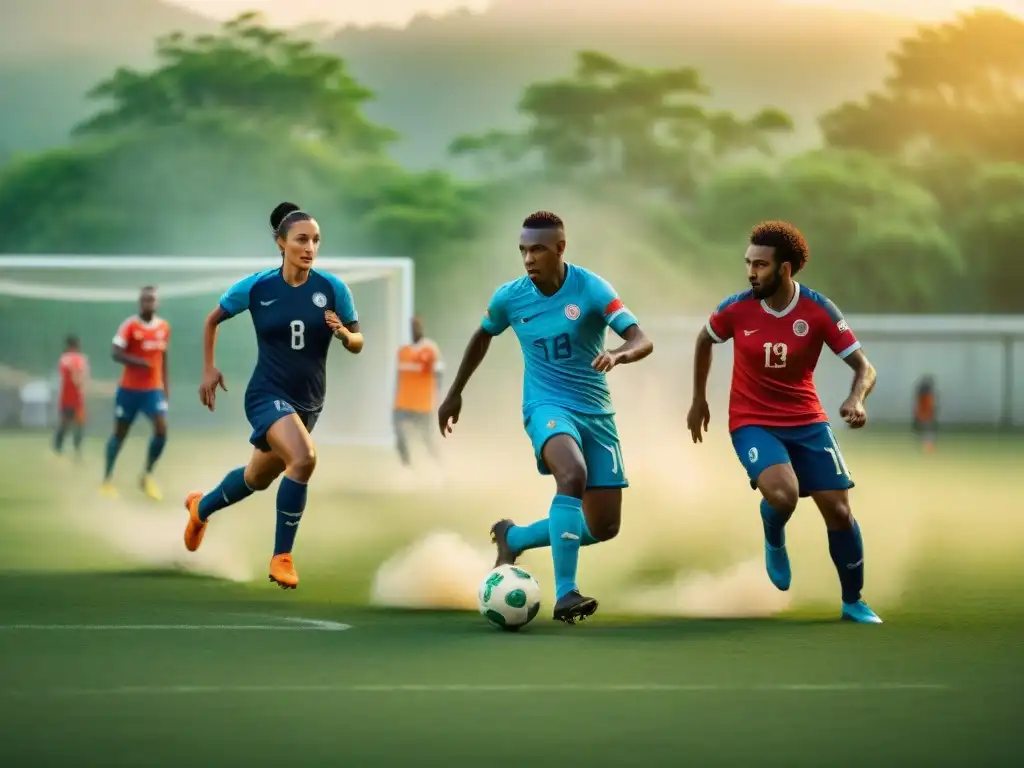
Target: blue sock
[
  {"x": 58, "y": 439},
  {"x": 113, "y": 448},
  {"x": 291, "y": 501},
  {"x": 76, "y": 438},
  {"x": 774, "y": 527},
  {"x": 156, "y": 447},
  {"x": 538, "y": 534},
  {"x": 565, "y": 524},
  {"x": 847, "y": 550},
  {"x": 232, "y": 489}
]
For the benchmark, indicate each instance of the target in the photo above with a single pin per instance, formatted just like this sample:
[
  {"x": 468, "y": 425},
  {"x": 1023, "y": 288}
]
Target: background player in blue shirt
[
  {"x": 296, "y": 312},
  {"x": 559, "y": 313}
]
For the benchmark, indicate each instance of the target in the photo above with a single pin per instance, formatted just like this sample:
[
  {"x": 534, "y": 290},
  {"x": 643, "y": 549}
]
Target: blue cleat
[
  {"x": 860, "y": 613},
  {"x": 776, "y": 561}
]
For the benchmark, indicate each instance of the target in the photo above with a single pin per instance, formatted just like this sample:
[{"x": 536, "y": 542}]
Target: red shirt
[
  {"x": 775, "y": 354},
  {"x": 149, "y": 342},
  {"x": 73, "y": 368}
]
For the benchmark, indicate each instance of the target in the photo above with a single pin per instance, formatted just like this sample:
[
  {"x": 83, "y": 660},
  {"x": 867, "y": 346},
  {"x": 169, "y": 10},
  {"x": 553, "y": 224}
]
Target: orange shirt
[
  {"x": 924, "y": 409},
  {"x": 73, "y": 368},
  {"x": 149, "y": 342},
  {"x": 418, "y": 366}
]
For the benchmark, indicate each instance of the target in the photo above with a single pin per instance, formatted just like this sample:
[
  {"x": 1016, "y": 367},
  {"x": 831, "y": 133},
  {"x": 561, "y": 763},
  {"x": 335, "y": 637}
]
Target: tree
[
  {"x": 249, "y": 73},
  {"x": 957, "y": 87},
  {"x": 611, "y": 120}
]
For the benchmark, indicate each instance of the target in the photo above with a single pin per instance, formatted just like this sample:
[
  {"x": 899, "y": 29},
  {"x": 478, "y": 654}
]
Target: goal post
[{"x": 44, "y": 298}]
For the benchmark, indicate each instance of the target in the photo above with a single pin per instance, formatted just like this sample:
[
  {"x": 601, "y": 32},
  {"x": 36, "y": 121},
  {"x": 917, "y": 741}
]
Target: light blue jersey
[{"x": 560, "y": 336}]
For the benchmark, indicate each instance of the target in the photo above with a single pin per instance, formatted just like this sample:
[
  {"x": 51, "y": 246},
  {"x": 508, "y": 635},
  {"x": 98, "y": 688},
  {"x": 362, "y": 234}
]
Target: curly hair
[
  {"x": 543, "y": 220},
  {"x": 788, "y": 242}
]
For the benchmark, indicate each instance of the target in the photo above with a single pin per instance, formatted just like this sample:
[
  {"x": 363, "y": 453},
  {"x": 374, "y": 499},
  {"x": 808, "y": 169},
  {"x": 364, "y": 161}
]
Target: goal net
[{"x": 45, "y": 298}]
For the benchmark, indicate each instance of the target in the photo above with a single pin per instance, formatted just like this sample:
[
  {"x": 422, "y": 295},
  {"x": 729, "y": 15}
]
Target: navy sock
[
  {"x": 156, "y": 447},
  {"x": 847, "y": 550},
  {"x": 538, "y": 534},
  {"x": 291, "y": 501},
  {"x": 232, "y": 489},
  {"x": 58, "y": 439},
  {"x": 113, "y": 448},
  {"x": 774, "y": 526},
  {"x": 565, "y": 522},
  {"x": 76, "y": 438}
]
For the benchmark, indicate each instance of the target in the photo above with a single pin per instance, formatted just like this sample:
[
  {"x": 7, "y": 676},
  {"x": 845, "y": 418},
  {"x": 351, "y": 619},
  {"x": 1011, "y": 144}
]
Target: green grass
[{"x": 938, "y": 684}]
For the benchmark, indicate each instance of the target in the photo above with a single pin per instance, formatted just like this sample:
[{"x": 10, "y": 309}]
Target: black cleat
[
  {"x": 574, "y": 607},
  {"x": 499, "y": 538}
]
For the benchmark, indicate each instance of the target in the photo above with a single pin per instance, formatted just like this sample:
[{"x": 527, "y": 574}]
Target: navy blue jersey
[{"x": 292, "y": 336}]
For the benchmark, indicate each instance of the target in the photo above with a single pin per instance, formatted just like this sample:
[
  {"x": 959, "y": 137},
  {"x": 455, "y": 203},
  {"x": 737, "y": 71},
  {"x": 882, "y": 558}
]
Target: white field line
[
  {"x": 165, "y": 690},
  {"x": 291, "y": 624}
]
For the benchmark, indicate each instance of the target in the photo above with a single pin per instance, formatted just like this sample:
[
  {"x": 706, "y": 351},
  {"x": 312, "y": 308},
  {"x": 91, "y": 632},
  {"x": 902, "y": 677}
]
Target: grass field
[{"x": 117, "y": 649}]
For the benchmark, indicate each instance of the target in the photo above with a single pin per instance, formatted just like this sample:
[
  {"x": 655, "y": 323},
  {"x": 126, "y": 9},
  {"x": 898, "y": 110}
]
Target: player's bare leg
[
  {"x": 240, "y": 483},
  {"x": 290, "y": 440},
  {"x": 156, "y": 448},
  {"x": 564, "y": 459},
  {"x": 602, "y": 513},
  {"x": 780, "y": 492},
  {"x": 847, "y": 550},
  {"x": 114, "y": 444}
]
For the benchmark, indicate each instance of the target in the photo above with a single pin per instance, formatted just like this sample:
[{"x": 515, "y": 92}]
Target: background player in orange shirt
[
  {"x": 419, "y": 378},
  {"x": 73, "y": 367},
  {"x": 140, "y": 345}
]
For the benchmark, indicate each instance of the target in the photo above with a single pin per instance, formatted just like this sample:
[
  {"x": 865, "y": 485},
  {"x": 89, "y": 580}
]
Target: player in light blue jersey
[
  {"x": 559, "y": 313},
  {"x": 297, "y": 312}
]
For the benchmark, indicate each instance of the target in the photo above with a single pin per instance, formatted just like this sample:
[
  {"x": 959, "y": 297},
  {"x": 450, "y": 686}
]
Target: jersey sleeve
[
  {"x": 236, "y": 298},
  {"x": 616, "y": 315},
  {"x": 495, "y": 319},
  {"x": 344, "y": 304},
  {"x": 124, "y": 333},
  {"x": 721, "y": 324},
  {"x": 838, "y": 335}
]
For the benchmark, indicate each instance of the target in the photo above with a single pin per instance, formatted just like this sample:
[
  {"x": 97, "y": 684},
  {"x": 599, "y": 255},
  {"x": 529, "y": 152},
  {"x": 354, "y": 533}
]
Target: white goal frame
[{"x": 352, "y": 269}]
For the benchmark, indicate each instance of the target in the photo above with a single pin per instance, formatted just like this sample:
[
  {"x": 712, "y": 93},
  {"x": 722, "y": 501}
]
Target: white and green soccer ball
[{"x": 509, "y": 597}]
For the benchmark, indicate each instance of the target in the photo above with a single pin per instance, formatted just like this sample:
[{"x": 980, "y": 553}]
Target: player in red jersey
[
  {"x": 140, "y": 345},
  {"x": 779, "y": 430},
  {"x": 73, "y": 368}
]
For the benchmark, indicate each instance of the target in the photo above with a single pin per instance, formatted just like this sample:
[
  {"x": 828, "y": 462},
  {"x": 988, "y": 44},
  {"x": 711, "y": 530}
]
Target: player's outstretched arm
[
  {"x": 476, "y": 351},
  {"x": 864, "y": 376},
  {"x": 637, "y": 346},
  {"x": 212, "y": 378},
  {"x": 699, "y": 416}
]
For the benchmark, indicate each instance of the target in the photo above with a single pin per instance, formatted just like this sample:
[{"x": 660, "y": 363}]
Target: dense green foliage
[{"x": 913, "y": 204}]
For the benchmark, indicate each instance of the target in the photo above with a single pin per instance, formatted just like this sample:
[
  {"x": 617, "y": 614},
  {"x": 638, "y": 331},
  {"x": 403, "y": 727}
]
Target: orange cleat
[
  {"x": 282, "y": 571},
  {"x": 194, "y": 528}
]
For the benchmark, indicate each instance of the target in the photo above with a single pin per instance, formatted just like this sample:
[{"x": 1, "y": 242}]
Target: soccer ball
[{"x": 509, "y": 597}]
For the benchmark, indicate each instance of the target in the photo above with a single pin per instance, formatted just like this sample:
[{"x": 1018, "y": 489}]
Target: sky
[{"x": 400, "y": 11}]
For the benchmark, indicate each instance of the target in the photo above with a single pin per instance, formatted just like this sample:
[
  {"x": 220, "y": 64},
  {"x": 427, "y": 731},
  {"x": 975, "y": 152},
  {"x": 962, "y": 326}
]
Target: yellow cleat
[
  {"x": 282, "y": 571},
  {"x": 150, "y": 488},
  {"x": 108, "y": 490},
  {"x": 195, "y": 528}
]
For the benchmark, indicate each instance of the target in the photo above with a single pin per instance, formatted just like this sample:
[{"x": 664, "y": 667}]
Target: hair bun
[{"x": 280, "y": 212}]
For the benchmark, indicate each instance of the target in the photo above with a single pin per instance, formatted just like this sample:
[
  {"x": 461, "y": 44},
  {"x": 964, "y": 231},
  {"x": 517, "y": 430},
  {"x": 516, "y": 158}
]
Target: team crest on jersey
[
  {"x": 752, "y": 455},
  {"x": 551, "y": 424},
  {"x": 572, "y": 311},
  {"x": 319, "y": 299},
  {"x": 800, "y": 328}
]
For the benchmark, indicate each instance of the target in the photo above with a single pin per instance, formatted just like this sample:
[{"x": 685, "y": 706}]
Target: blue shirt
[
  {"x": 560, "y": 336},
  {"x": 292, "y": 336}
]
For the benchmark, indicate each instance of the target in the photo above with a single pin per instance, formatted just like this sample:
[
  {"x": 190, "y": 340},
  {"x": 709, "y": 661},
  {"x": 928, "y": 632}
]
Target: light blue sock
[
  {"x": 538, "y": 534},
  {"x": 291, "y": 502},
  {"x": 156, "y": 447},
  {"x": 232, "y": 489},
  {"x": 565, "y": 524}
]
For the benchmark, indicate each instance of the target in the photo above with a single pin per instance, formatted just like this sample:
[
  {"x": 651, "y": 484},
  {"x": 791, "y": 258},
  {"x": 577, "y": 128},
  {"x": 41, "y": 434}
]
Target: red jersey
[
  {"x": 149, "y": 342},
  {"x": 74, "y": 369},
  {"x": 775, "y": 354}
]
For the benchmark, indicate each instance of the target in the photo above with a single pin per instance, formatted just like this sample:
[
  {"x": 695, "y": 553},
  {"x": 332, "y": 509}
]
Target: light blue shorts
[{"x": 595, "y": 434}]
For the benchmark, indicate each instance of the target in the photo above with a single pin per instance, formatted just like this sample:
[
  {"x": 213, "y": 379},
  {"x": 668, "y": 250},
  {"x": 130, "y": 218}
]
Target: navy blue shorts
[
  {"x": 812, "y": 450},
  {"x": 263, "y": 412},
  {"x": 128, "y": 403}
]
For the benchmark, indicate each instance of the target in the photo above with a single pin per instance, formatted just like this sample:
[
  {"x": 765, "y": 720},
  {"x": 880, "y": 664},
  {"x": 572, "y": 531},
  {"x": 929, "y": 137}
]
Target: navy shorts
[
  {"x": 263, "y": 412},
  {"x": 129, "y": 403},
  {"x": 812, "y": 450}
]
